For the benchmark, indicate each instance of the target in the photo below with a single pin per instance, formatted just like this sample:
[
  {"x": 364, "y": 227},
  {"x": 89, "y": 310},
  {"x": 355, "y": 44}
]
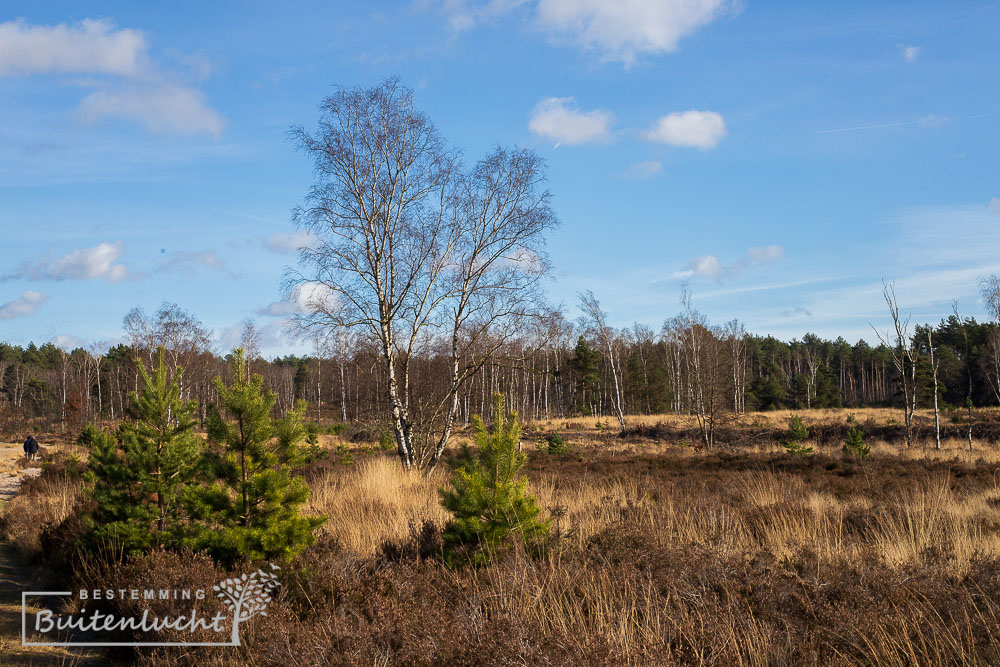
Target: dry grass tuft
[{"x": 374, "y": 501}]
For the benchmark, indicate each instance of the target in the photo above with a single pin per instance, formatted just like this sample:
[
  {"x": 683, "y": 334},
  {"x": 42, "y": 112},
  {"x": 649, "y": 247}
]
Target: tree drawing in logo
[{"x": 247, "y": 596}]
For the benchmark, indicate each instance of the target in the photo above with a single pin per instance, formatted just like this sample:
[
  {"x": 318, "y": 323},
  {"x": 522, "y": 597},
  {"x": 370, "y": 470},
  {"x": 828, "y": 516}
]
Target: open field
[
  {"x": 779, "y": 418},
  {"x": 660, "y": 553}
]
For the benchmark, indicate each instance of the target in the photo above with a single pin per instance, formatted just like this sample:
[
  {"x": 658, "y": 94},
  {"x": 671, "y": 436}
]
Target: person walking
[{"x": 31, "y": 448}]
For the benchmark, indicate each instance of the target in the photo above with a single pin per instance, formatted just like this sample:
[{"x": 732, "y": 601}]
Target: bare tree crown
[{"x": 417, "y": 252}]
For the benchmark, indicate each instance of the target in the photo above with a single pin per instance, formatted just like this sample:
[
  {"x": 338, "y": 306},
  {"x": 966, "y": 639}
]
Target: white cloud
[
  {"x": 994, "y": 205},
  {"x": 624, "y": 29},
  {"x": 620, "y": 31},
  {"x": 764, "y": 255},
  {"x": 522, "y": 259},
  {"x": 910, "y": 53},
  {"x": 709, "y": 266},
  {"x": 290, "y": 242},
  {"x": 66, "y": 342},
  {"x": 131, "y": 85},
  {"x": 283, "y": 308},
  {"x": 305, "y": 298},
  {"x": 794, "y": 312},
  {"x": 697, "y": 129},
  {"x": 190, "y": 262},
  {"x": 643, "y": 171},
  {"x": 931, "y": 120},
  {"x": 462, "y": 15},
  {"x": 91, "y": 46},
  {"x": 169, "y": 109},
  {"x": 557, "y": 118},
  {"x": 90, "y": 264},
  {"x": 27, "y": 304},
  {"x": 929, "y": 263},
  {"x": 98, "y": 262},
  {"x": 272, "y": 336}
]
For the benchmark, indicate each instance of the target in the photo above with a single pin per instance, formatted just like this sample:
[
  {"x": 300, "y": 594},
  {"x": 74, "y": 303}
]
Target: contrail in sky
[
  {"x": 866, "y": 127},
  {"x": 927, "y": 121}
]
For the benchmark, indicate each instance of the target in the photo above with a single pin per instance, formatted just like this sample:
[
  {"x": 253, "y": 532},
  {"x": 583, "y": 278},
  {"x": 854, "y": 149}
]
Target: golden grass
[
  {"x": 375, "y": 502},
  {"x": 10, "y": 454},
  {"x": 730, "y": 514},
  {"x": 763, "y": 511},
  {"x": 772, "y": 418},
  {"x": 25, "y": 514}
]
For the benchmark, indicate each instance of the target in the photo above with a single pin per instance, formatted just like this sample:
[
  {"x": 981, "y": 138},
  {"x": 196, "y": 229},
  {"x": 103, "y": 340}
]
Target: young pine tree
[
  {"x": 488, "y": 500},
  {"x": 796, "y": 436},
  {"x": 142, "y": 475},
  {"x": 253, "y": 510},
  {"x": 855, "y": 444}
]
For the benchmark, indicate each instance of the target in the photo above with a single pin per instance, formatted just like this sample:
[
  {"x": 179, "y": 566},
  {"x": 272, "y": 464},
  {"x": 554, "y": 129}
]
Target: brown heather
[{"x": 661, "y": 553}]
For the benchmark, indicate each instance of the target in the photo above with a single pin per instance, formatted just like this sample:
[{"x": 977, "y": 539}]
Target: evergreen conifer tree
[
  {"x": 488, "y": 499},
  {"x": 855, "y": 440},
  {"x": 796, "y": 435},
  {"x": 143, "y": 473},
  {"x": 585, "y": 362},
  {"x": 253, "y": 510}
]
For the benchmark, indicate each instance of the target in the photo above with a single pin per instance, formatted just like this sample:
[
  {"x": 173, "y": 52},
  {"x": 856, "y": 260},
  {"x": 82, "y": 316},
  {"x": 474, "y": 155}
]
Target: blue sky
[{"x": 780, "y": 158}]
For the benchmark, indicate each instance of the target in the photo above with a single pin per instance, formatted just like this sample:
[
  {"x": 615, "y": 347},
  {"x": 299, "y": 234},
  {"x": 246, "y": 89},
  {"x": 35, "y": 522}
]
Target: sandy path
[
  {"x": 14, "y": 578},
  {"x": 11, "y": 482}
]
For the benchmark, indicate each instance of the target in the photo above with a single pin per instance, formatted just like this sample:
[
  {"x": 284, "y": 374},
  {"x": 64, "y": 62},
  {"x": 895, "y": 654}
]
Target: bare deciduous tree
[
  {"x": 935, "y": 362},
  {"x": 182, "y": 336},
  {"x": 701, "y": 351},
  {"x": 250, "y": 340},
  {"x": 966, "y": 354},
  {"x": 903, "y": 357},
  {"x": 597, "y": 318},
  {"x": 989, "y": 289},
  {"x": 736, "y": 337},
  {"x": 416, "y": 254}
]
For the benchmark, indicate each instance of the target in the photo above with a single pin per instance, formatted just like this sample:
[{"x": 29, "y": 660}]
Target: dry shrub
[
  {"x": 722, "y": 558},
  {"x": 42, "y": 503},
  {"x": 620, "y": 600},
  {"x": 374, "y": 501}
]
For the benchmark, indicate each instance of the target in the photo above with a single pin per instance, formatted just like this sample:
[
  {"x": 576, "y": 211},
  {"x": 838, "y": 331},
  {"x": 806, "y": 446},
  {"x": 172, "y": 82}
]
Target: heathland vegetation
[
  {"x": 696, "y": 494},
  {"x": 657, "y": 552}
]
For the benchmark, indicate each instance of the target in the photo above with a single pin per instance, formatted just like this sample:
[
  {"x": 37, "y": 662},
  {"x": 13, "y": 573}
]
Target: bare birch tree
[
  {"x": 966, "y": 353},
  {"x": 935, "y": 363},
  {"x": 736, "y": 337},
  {"x": 179, "y": 332},
  {"x": 903, "y": 357},
  {"x": 416, "y": 254},
  {"x": 989, "y": 290},
  {"x": 700, "y": 348},
  {"x": 250, "y": 338},
  {"x": 598, "y": 319}
]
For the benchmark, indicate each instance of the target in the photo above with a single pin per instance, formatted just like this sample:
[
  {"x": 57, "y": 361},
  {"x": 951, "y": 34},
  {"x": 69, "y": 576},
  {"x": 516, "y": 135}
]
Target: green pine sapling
[
  {"x": 253, "y": 509},
  {"x": 488, "y": 499},
  {"x": 795, "y": 437},
  {"x": 143, "y": 473}
]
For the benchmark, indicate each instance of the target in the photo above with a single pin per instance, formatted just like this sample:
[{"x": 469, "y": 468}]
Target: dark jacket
[{"x": 31, "y": 445}]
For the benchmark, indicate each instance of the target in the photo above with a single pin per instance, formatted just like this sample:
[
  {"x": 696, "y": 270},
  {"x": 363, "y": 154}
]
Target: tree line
[
  {"x": 560, "y": 369},
  {"x": 422, "y": 282}
]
